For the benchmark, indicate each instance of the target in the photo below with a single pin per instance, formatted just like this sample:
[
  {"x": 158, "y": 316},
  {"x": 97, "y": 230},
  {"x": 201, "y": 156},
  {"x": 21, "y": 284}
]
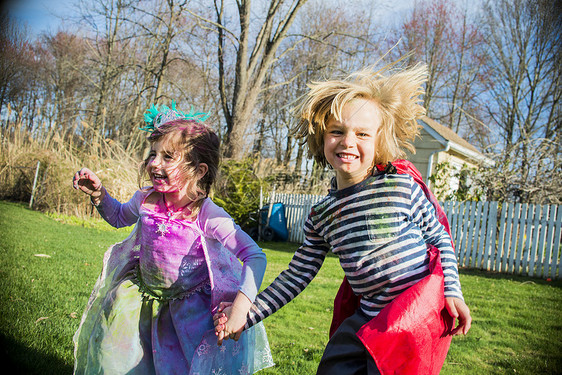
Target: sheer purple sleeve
[
  {"x": 119, "y": 214},
  {"x": 218, "y": 224}
]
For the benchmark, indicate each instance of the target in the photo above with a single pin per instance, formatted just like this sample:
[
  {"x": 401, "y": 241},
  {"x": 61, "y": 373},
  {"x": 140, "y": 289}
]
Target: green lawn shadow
[
  {"x": 20, "y": 359},
  {"x": 524, "y": 279}
]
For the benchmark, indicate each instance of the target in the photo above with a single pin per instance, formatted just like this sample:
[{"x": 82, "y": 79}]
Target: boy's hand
[
  {"x": 458, "y": 309},
  {"x": 220, "y": 318},
  {"x": 227, "y": 324},
  {"x": 230, "y": 318}
]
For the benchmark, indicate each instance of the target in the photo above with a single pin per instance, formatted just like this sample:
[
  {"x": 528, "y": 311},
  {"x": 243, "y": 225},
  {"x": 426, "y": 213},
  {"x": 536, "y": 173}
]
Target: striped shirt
[{"x": 379, "y": 229}]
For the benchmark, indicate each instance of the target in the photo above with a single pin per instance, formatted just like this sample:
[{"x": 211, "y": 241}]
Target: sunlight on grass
[
  {"x": 48, "y": 266},
  {"x": 94, "y": 223}
]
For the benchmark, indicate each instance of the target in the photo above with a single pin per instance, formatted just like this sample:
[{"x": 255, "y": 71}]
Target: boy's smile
[{"x": 349, "y": 143}]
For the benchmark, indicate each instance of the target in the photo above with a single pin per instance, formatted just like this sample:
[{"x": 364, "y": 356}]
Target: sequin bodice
[{"x": 171, "y": 259}]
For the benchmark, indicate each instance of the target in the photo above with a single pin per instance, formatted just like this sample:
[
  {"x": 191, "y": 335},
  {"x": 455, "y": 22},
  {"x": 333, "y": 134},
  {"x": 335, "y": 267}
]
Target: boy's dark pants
[{"x": 345, "y": 354}]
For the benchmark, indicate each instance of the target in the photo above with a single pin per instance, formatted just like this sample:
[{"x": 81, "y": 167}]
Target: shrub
[{"x": 238, "y": 190}]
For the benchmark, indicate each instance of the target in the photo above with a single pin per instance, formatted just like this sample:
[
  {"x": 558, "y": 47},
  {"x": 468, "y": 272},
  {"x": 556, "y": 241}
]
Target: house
[{"x": 439, "y": 144}]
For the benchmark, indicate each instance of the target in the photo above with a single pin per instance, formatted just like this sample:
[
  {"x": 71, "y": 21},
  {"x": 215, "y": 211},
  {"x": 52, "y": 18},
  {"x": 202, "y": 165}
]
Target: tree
[
  {"x": 443, "y": 36},
  {"x": 16, "y": 59},
  {"x": 318, "y": 53},
  {"x": 164, "y": 25},
  {"x": 157, "y": 29},
  {"x": 62, "y": 60},
  {"x": 254, "y": 56},
  {"x": 109, "y": 41},
  {"x": 523, "y": 99}
]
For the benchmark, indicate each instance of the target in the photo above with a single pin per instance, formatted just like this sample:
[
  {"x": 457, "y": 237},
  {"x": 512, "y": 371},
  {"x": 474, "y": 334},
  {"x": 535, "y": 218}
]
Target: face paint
[{"x": 163, "y": 169}]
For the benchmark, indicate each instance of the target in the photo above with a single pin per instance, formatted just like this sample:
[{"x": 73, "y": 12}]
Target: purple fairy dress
[{"x": 151, "y": 308}]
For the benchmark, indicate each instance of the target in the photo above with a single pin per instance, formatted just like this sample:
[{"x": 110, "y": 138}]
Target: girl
[
  {"x": 151, "y": 308},
  {"x": 395, "y": 253}
]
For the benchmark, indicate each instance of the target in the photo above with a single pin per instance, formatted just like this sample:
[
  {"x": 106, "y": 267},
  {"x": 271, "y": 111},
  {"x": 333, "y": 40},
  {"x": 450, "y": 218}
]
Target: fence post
[
  {"x": 513, "y": 240},
  {"x": 476, "y": 237},
  {"x": 556, "y": 263},
  {"x": 548, "y": 250},
  {"x": 542, "y": 238},
  {"x": 529, "y": 233},
  {"x": 536, "y": 231},
  {"x": 271, "y": 201},
  {"x": 259, "y": 213},
  {"x": 456, "y": 232},
  {"x": 482, "y": 235},
  {"x": 490, "y": 246},
  {"x": 464, "y": 224},
  {"x": 521, "y": 232},
  {"x": 34, "y": 184},
  {"x": 467, "y": 243}
]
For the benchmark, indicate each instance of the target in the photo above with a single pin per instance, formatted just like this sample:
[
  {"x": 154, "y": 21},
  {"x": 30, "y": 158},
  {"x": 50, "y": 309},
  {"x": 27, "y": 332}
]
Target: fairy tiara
[{"x": 154, "y": 117}]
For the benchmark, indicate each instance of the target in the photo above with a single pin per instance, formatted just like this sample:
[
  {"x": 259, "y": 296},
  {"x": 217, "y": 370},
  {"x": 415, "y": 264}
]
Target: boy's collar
[
  {"x": 389, "y": 168},
  {"x": 379, "y": 169}
]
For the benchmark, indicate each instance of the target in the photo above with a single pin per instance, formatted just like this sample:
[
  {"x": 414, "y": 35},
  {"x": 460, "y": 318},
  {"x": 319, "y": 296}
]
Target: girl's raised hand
[{"x": 87, "y": 181}]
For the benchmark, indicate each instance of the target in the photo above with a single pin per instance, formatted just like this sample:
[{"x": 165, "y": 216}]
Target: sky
[
  {"x": 45, "y": 15},
  {"x": 39, "y": 15}
]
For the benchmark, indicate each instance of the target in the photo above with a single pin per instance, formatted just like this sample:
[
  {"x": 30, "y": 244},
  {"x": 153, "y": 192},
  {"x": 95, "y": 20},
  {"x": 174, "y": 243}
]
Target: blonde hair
[{"x": 397, "y": 95}]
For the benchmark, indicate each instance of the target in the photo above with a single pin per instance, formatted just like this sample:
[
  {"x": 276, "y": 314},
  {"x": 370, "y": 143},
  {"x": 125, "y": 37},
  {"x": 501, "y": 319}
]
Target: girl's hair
[
  {"x": 196, "y": 144},
  {"x": 396, "y": 95}
]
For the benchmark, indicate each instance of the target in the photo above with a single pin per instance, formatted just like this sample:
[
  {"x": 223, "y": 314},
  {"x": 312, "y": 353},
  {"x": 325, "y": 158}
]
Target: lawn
[{"x": 48, "y": 266}]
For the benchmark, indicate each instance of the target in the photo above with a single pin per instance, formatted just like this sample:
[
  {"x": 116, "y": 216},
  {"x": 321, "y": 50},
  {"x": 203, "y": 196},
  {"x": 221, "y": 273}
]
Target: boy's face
[{"x": 349, "y": 144}]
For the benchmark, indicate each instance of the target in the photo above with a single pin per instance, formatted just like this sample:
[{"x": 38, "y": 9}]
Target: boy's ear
[{"x": 202, "y": 170}]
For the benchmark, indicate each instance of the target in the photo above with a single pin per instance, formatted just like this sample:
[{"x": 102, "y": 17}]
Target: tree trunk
[{"x": 250, "y": 69}]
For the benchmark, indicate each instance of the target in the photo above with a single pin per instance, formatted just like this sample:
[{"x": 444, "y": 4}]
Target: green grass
[{"x": 517, "y": 326}]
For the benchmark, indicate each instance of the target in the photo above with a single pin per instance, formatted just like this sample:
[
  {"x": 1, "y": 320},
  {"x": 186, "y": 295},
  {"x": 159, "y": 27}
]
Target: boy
[{"x": 379, "y": 223}]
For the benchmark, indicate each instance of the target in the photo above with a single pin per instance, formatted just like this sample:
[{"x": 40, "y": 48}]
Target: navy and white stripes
[{"x": 379, "y": 229}]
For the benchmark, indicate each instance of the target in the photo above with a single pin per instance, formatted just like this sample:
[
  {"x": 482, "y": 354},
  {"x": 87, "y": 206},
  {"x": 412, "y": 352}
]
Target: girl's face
[
  {"x": 163, "y": 169},
  {"x": 349, "y": 144}
]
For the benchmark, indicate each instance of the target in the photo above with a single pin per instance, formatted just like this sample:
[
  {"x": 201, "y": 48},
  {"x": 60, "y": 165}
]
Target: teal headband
[{"x": 155, "y": 117}]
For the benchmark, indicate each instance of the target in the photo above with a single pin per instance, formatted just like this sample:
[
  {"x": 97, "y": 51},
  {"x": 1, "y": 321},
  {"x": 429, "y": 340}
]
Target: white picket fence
[
  {"x": 519, "y": 238},
  {"x": 522, "y": 238},
  {"x": 297, "y": 208}
]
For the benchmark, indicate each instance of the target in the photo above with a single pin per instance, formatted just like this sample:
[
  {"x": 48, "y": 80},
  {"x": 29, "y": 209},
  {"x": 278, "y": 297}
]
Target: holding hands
[
  {"x": 225, "y": 327},
  {"x": 230, "y": 318},
  {"x": 90, "y": 184}
]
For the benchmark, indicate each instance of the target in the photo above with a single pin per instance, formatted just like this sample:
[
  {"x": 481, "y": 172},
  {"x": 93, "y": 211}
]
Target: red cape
[{"x": 410, "y": 335}]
